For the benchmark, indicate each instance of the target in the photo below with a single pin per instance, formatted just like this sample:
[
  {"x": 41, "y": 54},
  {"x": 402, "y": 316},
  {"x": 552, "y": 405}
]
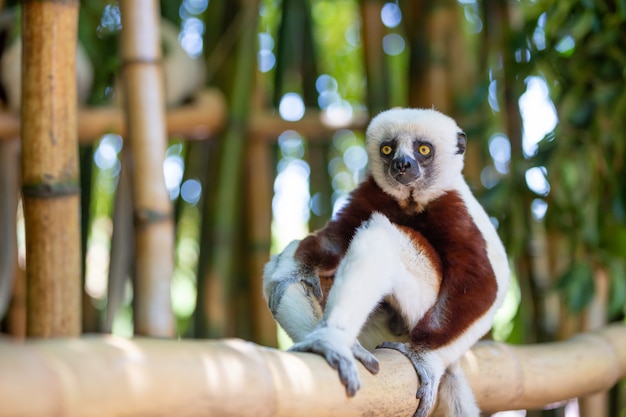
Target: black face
[{"x": 402, "y": 167}]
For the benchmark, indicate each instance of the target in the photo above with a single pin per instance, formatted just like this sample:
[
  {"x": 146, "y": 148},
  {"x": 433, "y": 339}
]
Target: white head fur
[{"x": 438, "y": 173}]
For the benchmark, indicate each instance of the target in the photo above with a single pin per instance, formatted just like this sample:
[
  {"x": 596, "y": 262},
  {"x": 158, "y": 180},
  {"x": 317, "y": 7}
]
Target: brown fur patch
[
  {"x": 469, "y": 284},
  {"x": 444, "y": 230}
]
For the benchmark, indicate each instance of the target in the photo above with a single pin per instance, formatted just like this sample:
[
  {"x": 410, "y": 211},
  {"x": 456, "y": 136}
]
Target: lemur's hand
[{"x": 340, "y": 353}]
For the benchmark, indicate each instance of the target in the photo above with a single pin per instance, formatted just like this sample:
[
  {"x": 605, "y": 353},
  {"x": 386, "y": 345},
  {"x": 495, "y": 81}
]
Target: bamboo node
[
  {"x": 144, "y": 217},
  {"x": 141, "y": 61},
  {"x": 50, "y": 190}
]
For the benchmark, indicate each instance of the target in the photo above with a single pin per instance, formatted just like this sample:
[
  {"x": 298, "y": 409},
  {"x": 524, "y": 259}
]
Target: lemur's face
[
  {"x": 415, "y": 153},
  {"x": 406, "y": 160}
]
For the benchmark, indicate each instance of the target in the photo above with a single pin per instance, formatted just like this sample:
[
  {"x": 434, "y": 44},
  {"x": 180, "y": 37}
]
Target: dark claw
[
  {"x": 400, "y": 347},
  {"x": 427, "y": 391},
  {"x": 338, "y": 359},
  {"x": 276, "y": 294},
  {"x": 368, "y": 360},
  {"x": 313, "y": 282}
]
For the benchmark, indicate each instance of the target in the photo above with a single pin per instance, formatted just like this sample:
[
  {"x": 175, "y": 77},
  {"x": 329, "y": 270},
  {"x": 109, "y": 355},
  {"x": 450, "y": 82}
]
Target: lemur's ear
[{"x": 461, "y": 143}]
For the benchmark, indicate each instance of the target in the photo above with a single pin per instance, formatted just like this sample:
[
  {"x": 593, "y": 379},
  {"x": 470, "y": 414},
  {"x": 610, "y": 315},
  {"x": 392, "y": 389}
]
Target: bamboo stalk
[
  {"x": 111, "y": 376},
  {"x": 320, "y": 183},
  {"x": 259, "y": 212},
  {"x": 91, "y": 322},
  {"x": 145, "y": 108},
  {"x": 295, "y": 52},
  {"x": 595, "y": 318},
  {"x": 215, "y": 286},
  {"x": 122, "y": 243},
  {"x": 372, "y": 33},
  {"x": 50, "y": 168}
]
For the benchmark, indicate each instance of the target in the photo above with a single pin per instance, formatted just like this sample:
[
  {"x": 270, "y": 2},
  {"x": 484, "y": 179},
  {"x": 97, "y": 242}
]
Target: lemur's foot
[{"x": 428, "y": 375}]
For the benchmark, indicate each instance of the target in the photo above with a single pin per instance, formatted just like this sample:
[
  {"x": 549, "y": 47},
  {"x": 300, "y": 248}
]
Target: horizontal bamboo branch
[
  {"x": 198, "y": 120},
  {"x": 111, "y": 376}
]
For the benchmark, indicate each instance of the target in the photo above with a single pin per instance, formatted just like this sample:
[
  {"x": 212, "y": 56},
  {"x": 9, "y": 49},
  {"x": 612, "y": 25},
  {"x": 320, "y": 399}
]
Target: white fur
[
  {"x": 381, "y": 261},
  {"x": 406, "y": 125},
  {"x": 455, "y": 396},
  {"x": 299, "y": 312},
  {"x": 376, "y": 330}
]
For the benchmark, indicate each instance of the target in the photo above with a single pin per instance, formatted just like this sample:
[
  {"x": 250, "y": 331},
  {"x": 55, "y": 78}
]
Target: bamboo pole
[
  {"x": 122, "y": 243},
  {"x": 595, "y": 317},
  {"x": 111, "y": 376},
  {"x": 372, "y": 33},
  {"x": 259, "y": 196},
  {"x": 145, "y": 108},
  {"x": 320, "y": 183},
  {"x": 50, "y": 168},
  {"x": 217, "y": 275}
]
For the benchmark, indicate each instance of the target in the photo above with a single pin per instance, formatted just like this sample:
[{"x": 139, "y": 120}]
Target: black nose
[{"x": 402, "y": 165}]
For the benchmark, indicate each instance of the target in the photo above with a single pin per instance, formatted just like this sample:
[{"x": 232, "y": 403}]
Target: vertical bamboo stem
[
  {"x": 595, "y": 318},
  {"x": 372, "y": 33},
  {"x": 122, "y": 244},
  {"x": 217, "y": 290},
  {"x": 320, "y": 184},
  {"x": 50, "y": 168},
  {"x": 145, "y": 110},
  {"x": 259, "y": 213}
]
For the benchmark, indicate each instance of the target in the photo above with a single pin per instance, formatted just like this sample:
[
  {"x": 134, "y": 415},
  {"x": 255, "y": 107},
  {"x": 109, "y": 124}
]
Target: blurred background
[{"x": 538, "y": 86}]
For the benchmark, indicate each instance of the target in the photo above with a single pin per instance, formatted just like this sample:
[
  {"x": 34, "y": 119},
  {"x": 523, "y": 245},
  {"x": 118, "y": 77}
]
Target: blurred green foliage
[
  {"x": 582, "y": 54},
  {"x": 577, "y": 47}
]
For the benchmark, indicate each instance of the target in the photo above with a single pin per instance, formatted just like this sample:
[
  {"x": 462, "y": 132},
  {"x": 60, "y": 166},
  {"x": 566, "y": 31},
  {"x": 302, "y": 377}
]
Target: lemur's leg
[{"x": 382, "y": 262}]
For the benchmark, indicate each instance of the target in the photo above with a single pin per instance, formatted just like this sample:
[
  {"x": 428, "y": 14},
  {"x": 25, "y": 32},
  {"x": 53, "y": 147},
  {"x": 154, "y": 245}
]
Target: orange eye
[
  {"x": 424, "y": 150},
  {"x": 386, "y": 150}
]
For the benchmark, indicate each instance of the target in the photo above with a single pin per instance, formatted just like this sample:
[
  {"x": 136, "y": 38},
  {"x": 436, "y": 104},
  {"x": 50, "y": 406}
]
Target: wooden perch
[{"x": 111, "y": 376}]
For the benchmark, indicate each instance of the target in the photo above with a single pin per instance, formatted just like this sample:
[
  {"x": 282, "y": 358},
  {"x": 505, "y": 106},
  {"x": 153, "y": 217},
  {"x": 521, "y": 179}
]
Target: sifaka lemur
[{"x": 412, "y": 262}]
